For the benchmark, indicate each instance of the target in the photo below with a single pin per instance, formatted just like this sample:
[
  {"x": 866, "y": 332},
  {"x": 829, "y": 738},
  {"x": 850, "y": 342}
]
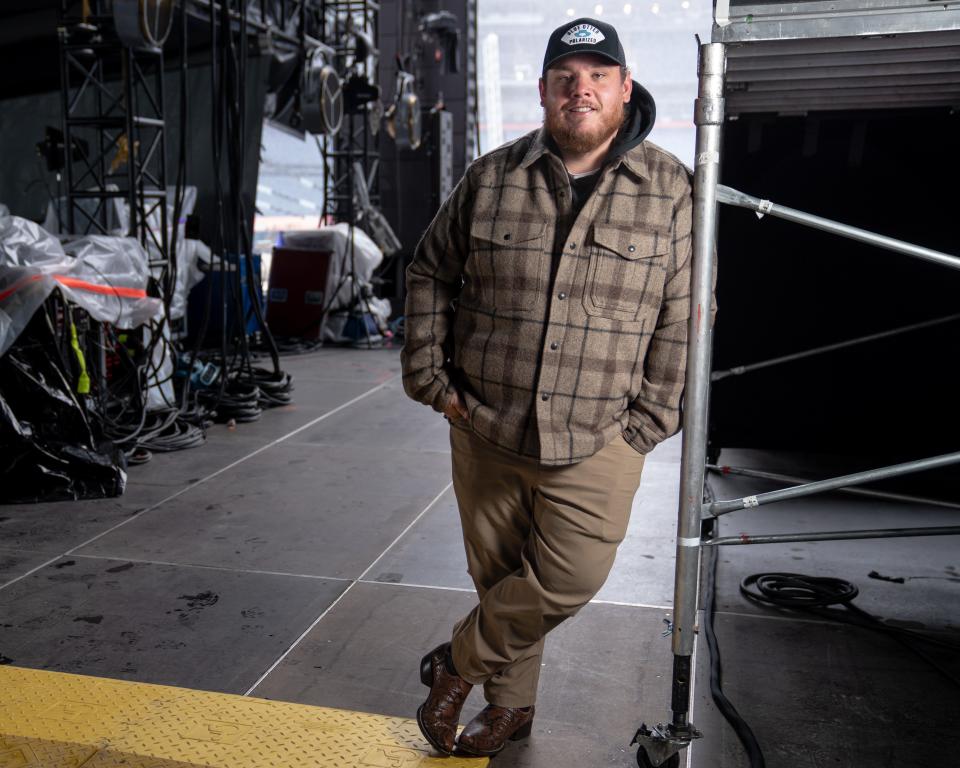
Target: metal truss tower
[
  {"x": 113, "y": 133},
  {"x": 356, "y": 141}
]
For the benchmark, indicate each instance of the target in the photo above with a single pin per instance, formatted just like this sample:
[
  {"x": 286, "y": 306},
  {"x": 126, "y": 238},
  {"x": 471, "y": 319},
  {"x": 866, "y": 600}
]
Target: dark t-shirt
[{"x": 581, "y": 185}]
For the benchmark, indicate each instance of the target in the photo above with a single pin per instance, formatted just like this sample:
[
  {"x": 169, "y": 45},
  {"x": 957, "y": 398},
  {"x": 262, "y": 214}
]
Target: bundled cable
[
  {"x": 123, "y": 410},
  {"x": 142, "y": 405},
  {"x": 236, "y": 401},
  {"x": 243, "y": 390},
  {"x": 274, "y": 390}
]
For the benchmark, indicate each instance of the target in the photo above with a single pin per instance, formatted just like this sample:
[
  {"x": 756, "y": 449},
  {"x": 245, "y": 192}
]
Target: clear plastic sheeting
[
  {"x": 24, "y": 243},
  {"x": 351, "y": 267},
  {"x": 189, "y": 255},
  {"x": 160, "y": 393},
  {"x": 118, "y": 223},
  {"x": 112, "y": 274},
  {"x": 187, "y": 251},
  {"x": 106, "y": 276}
]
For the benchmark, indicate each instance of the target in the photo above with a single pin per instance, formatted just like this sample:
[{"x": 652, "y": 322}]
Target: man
[{"x": 547, "y": 319}]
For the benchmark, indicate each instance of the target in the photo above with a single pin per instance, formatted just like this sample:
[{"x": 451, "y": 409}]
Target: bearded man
[{"x": 546, "y": 317}]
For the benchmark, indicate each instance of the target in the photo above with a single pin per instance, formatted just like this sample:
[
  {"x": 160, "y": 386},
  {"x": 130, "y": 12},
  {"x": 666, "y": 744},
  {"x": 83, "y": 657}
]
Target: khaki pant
[{"x": 540, "y": 542}]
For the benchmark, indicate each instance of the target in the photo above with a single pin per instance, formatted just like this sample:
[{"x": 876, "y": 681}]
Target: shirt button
[
  {"x": 630, "y": 248},
  {"x": 554, "y": 345},
  {"x": 572, "y": 246},
  {"x": 544, "y": 396},
  {"x": 507, "y": 237},
  {"x": 561, "y": 295}
]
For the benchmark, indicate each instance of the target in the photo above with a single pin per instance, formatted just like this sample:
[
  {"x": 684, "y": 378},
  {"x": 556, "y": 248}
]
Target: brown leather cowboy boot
[
  {"x": 439, "y": 714},
  {"x": 488, "y": 732}
]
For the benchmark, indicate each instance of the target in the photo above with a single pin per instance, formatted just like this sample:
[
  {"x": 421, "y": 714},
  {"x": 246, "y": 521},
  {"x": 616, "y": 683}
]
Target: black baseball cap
[{"x": 584, "y": 35}]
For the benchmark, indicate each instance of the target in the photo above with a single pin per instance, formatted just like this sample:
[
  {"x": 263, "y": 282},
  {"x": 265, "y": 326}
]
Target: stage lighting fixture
[
  {"x": 143, "y": 24},
  {"x": 321, "y": 95}
]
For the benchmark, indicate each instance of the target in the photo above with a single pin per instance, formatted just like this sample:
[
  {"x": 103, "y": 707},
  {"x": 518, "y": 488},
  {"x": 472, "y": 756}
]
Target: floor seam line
[
  {"x": 620, "y": 603},
  {"x": 418, "y": 586},
  {"x": 770, "y": 617},
  {"x": 350, "y": 586},
  {"x": 220, "y": 471},
  {"x": 141, "y": 561}
]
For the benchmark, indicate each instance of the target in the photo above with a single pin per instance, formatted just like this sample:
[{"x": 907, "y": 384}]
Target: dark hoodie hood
[{"x": 641, "y": 113}]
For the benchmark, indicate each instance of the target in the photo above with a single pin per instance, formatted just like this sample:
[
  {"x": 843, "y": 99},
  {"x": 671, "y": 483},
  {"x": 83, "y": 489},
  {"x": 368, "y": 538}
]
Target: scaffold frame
[{"x": 661, "y": 745}]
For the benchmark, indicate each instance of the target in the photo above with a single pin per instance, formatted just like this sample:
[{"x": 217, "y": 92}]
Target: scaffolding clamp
[{"x": 709, "y": 110}]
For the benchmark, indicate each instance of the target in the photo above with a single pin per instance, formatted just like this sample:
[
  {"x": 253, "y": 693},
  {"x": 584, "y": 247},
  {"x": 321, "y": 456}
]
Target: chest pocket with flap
[
  {"x": 507, "y": 261},
  {"x": 626, "y": 271}
]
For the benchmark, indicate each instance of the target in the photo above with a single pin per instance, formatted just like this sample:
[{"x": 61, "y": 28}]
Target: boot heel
[
  {"x": 522, "y": 732},
  {"x": 426, "y": 670}
]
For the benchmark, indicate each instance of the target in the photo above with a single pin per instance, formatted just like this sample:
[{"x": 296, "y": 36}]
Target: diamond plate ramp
[{"x": 59, "y": 720}]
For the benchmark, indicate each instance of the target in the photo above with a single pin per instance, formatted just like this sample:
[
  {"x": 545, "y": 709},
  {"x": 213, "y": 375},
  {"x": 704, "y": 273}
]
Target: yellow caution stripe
[{"x": 58, "y": 720}]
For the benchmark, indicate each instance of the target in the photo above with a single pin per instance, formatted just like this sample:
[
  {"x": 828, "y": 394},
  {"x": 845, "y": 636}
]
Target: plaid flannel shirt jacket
[{"x": 558, "y": 329}]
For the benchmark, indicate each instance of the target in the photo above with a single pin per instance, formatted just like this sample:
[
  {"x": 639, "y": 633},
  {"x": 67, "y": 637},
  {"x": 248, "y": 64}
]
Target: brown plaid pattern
[{"x": 559, "y": 331}]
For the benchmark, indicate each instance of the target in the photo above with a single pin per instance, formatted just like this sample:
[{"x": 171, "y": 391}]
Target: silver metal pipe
[
  {"x": 879, "y": 533},
  {"x": 741, "y": 369},
  {"x": 718, "y": 508},
  {"x": 867, "y": 492},
  {"x": 733, "y": 197},
  {"x": 708, "y": 116}
]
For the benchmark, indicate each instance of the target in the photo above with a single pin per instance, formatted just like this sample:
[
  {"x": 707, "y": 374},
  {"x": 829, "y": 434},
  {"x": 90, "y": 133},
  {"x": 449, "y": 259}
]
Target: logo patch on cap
[{"x": 582, "y": 34}]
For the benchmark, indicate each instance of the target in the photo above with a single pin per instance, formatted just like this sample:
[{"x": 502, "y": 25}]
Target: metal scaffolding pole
[
  {"x": 717, "y": 508},
  {"x": 733, "y": 197},
  {"x": 867, "y": 492},
  {"x": 878, "y": 533},
  {"x": 662, "y": 744},
  {"x": 739, "y": 370}
]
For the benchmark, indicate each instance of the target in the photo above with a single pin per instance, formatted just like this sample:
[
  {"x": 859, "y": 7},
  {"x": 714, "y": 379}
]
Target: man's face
[{"x": 582, "y": 98}]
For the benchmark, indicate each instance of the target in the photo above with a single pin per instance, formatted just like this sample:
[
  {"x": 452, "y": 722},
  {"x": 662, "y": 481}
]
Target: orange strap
[
  {"x": 83, "y": 285},
  {"x": 18, "y": 285},
  {"x": 107, "y": 290}
]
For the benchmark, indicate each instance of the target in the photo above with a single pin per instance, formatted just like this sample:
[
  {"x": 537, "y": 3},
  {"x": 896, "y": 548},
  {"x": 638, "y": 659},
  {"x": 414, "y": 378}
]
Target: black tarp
[{"x": 48, "y": 451}]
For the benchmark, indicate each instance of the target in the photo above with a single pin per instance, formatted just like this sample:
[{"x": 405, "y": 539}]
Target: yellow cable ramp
[{"x": 58, "y": 720}]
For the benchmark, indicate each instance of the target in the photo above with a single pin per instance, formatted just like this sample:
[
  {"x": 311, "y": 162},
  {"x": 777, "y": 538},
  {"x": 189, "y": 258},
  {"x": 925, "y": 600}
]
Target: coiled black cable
[
  {"x": 275, "y": 388},
  {"x": 817, "y": 595},
  {"x": 794, "y": 590},
  {"x": 236, "y": 401}
]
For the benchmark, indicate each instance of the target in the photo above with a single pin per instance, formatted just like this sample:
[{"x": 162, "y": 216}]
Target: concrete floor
[
  {"x": 820, "y": 693},
  {"x": 314, "y": 556}
]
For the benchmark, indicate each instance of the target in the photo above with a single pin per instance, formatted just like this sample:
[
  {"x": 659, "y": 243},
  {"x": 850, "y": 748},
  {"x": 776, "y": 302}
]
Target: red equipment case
[{"x": 298, "y": 292}]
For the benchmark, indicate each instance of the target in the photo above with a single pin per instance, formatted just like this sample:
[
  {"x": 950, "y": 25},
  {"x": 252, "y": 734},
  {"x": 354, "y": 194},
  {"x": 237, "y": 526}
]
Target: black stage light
[
  {"x": 441, "y": 29},
  {"x": 358, "y": 92},
  {"x": 304, "y": 91},
  {"x": 51, "y": 149}
]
